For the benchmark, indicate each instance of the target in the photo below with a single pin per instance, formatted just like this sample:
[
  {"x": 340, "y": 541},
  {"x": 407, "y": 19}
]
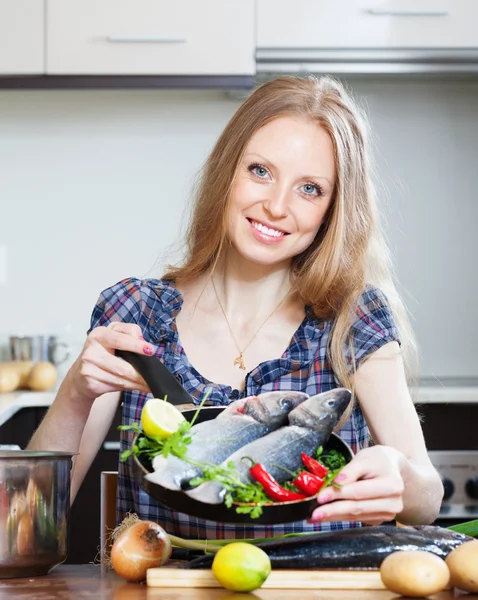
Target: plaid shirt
[{"x": 304, "y": 366}]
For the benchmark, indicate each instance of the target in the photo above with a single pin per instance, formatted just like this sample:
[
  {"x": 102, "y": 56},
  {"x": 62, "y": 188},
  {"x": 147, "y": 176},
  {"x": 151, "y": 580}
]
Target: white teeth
[{"x": 263, "y": 229}]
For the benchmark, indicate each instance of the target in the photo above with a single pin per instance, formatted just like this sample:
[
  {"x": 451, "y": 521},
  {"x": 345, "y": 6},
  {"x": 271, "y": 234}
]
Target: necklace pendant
[{"x": 240, "y": 362}]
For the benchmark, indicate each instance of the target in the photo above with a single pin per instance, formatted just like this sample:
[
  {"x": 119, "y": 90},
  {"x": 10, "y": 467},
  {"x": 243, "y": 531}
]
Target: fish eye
[
  {"x": 285, "y": 403},
  {"x": 331, "y": 403}
]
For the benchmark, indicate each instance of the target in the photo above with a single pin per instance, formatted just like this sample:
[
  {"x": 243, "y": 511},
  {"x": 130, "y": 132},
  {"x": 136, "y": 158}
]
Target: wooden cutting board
[{"x": 279, "y": 579}]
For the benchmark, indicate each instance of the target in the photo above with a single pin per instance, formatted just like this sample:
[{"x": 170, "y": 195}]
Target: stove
[{"x": 459, "y": 473}]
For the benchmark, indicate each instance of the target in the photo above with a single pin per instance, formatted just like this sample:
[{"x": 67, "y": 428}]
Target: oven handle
[{"x": 111, "y": 446}]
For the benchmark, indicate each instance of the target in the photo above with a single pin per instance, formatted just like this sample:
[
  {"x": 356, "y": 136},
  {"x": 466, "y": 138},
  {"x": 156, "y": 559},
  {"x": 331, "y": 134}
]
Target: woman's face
[{"x": 282, "y": 190}]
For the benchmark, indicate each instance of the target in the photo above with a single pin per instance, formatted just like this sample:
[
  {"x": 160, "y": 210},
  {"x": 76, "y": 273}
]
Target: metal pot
[{"x": 34, "y": 511}]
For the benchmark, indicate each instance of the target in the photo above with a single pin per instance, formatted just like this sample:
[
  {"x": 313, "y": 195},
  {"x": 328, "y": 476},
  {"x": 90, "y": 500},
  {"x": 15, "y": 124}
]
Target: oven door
[{"x": 451, "y": 435}]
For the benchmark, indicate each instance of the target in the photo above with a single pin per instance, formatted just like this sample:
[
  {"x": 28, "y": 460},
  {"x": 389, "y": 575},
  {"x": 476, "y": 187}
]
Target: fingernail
[
  {"x": 340, "y": 477},
  {"x": 318, "y": 516},
  {"x": 142, "y": 338},
  {"x": 325, "y": 498},
  {"x": 148, "y": 350}
]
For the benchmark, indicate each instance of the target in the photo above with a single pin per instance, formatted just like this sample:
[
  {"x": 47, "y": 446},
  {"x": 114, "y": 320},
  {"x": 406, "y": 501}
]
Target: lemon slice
[{"x": 160, "y": 419}]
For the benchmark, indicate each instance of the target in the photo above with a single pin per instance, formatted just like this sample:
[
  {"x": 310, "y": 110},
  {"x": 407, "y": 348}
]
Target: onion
[{"x": 140, "y": 547}]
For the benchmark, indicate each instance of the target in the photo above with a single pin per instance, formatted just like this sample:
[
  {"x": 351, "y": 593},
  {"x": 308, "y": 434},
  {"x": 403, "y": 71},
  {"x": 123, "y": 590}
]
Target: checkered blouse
[{"x": 153, "y": 305}]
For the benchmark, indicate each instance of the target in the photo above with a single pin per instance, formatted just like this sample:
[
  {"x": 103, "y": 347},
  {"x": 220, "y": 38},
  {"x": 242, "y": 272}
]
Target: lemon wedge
[{"x": 160, "y": 419}]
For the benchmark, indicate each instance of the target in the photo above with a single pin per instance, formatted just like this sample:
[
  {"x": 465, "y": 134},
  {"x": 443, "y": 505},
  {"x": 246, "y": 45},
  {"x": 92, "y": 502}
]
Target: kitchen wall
[{"x": 95, "y": 188}]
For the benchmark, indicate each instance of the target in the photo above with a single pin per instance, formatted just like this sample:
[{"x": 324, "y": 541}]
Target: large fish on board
[
  {"x": 213, "y": 441},
  {"x": 358, "y": 548},
  {"x": 310, "y": 426}
]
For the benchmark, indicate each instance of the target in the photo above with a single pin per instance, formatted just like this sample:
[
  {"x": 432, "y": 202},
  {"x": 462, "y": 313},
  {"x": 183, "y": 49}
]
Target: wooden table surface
[{"x": 81, "y": 582}]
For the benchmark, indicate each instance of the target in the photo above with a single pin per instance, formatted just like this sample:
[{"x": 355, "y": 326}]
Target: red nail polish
[
  {"x": 340, "y": 477},
  {"x": 148, "y": 350},
  {"x": 142, "y": 338},
  {"x": 318, "y": 516}
]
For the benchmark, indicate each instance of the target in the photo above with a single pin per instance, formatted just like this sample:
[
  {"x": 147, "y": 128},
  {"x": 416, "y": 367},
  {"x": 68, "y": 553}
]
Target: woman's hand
[
  {"x": 371, "y": 490},
  {"x": 97, "y": 370}
]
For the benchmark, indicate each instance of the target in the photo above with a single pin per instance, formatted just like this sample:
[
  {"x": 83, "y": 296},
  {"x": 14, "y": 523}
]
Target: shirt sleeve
[
  {"x": 373, "y": 326},
  {"x": 120, "y": 302}
]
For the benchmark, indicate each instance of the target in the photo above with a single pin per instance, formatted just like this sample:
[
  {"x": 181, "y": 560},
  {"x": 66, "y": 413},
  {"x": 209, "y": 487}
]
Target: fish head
[
  {"x": 272, "y": 408},
  {"x": 321, "y": 412}
]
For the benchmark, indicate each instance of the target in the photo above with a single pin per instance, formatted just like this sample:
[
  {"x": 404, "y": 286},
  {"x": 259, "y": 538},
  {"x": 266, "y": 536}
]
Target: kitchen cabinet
[
  {"x": 367, "y": 24},
  {"x": 22, "y": 37},
  {"x": 85, "y": 512},
  {"x": 150, "y": 37}
]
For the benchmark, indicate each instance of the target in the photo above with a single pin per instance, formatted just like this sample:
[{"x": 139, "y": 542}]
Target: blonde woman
[{"x": 285, "y": 285}]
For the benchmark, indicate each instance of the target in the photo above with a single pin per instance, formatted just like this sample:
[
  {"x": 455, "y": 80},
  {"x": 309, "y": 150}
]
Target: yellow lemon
[
  {"x": 241, "y": 567},
  {"x": 160, "y": 419}
]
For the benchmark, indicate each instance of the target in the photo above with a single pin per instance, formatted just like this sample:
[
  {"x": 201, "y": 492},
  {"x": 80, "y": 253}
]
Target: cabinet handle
[
  {"x": 409, "y": 12},
  {"x": 111, "y": 446},
  {"x": 139, "y": 39}
]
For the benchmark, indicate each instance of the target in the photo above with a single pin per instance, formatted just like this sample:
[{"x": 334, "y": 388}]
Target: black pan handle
[{"x": 160, "y": 380}]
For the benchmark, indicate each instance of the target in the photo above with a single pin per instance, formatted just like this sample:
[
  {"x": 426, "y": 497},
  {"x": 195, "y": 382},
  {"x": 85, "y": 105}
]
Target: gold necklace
[{"x": 239, "y": 361}]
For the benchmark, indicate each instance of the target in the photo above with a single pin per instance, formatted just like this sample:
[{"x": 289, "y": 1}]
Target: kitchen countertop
[
  {"x": 88, "y": 581},
  {"x": 12, "y": 402}
]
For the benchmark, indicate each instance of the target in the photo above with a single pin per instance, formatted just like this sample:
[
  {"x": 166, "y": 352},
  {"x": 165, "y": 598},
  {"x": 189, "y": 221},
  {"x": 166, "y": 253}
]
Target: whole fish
[
  {"x": 310, "y": 426},
  {"x": 358, "y": 548},
  {"x": 213, "y": 441}
]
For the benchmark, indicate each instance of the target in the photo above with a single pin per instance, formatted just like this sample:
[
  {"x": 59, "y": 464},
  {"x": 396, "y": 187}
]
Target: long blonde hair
[{"x": 348, "y": 252}]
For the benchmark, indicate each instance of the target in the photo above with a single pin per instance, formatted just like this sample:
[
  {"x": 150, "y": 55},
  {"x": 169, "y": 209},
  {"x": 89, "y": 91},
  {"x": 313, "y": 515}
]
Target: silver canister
[
  {"x": 39, "y": 348},
  {"x": 34, "y": 511}
]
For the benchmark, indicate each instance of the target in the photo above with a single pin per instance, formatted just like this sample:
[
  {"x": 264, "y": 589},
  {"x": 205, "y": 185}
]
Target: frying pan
[{"x": 159, "y": 378}]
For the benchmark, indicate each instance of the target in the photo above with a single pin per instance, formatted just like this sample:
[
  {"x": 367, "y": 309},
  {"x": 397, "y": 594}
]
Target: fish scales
[
  {"x": 310, "y": 426},
  {"x": 357, "y": 548},
  {"x": 213, "y": 441}
]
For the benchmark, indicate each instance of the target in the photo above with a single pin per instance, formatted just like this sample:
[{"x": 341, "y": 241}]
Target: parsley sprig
[
  {"x": 250, "y": 496},
  {"x": 334, "y": 461},
  {"x": 177, "y": 444}
]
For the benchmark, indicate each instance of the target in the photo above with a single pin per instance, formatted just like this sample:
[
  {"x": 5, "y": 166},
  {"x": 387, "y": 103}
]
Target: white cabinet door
[
  {"x": 367, "y": 24},
  {"x": 22, "y": 37},
  {"x": 150, "y": 37}
]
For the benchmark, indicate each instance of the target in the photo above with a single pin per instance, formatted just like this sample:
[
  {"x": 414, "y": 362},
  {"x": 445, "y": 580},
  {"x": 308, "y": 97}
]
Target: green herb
[
  {"x": 251, "y": 496},
  {"x": 334, "y": 461},
  {"x": 177, "y": 444},
  {"x": 469, "y": 528}
]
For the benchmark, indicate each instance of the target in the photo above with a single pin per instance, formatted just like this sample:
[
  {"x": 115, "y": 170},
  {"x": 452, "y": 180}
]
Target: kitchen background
[
  {"x": 96, "y": 186},
  {"x": 108, "y": 108}
]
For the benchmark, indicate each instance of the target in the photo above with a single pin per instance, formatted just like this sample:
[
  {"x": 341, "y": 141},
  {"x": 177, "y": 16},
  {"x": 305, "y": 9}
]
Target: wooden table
[{"x": 82, "y": 582}]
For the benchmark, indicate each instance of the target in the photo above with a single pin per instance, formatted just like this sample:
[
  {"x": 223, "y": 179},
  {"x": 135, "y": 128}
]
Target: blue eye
[
  {"x": 258, "y": 170},
  {"x": 312, "y": 189}
]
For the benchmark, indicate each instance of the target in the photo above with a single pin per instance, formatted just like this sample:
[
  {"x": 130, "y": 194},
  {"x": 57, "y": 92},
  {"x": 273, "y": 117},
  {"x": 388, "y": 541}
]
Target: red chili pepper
[
  {"x": 308, "y": 483},
  {"x": 313, "y": 465},
  {"x": 275, "y": 491}
]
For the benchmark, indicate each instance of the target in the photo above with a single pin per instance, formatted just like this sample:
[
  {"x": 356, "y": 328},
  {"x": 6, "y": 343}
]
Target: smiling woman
[
  {"x": 285, "y": 286},
  {"x": 282, "y": 190}
]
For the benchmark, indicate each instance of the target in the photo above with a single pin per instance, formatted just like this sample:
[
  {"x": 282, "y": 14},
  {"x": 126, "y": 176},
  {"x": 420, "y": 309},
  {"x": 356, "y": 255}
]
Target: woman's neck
[{"x": 248, "y": 289}]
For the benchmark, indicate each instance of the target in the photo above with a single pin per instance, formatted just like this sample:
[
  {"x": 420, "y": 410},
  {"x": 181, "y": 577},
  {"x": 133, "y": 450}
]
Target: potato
[
  {"x": 14, "y": 374},
  {"x": 414, "y": 573},
  {"x": 23, "y": 368},
  {"x": 9, "y": 379},
  {"x": 463, "y": 565},
  {"x": 42, "y": 377}
]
